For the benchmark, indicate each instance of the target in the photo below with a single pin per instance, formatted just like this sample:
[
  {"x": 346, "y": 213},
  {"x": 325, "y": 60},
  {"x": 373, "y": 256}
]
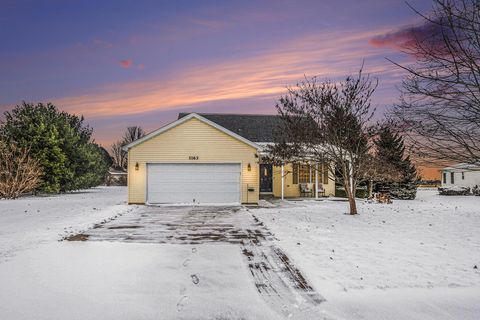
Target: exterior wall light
[
  {"x": 137, "y": 166},
  {"x": 249, "y": 167}
]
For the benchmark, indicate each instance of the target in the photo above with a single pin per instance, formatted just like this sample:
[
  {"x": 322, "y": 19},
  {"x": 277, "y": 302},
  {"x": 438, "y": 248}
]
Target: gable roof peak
[{"x": 185, "y": 119}]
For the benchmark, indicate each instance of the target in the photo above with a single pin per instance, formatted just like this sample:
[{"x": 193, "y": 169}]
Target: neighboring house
[
  {"x": 215, "y": 158},
  {"x": 462, "y": 175}
]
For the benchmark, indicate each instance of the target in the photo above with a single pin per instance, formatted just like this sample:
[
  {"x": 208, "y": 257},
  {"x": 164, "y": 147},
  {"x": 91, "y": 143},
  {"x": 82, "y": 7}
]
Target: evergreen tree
[
  {"x": 390, "y": 150},
  {"x": 60, "y": 142}
]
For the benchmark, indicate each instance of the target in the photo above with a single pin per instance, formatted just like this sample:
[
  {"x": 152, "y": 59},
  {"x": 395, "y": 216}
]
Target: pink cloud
[
  {"x": 127, "y": 63},
  {"x": 405, "y": 38},
  {"x": 262, "y": 75}
]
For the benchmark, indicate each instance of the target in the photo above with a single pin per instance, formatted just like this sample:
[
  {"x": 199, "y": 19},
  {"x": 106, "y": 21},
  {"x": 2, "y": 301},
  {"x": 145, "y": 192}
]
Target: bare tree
[
  {"x": 19, "y": 172},
  {"x": 440, "y": 105},
  {"x": 329, "y": 122},
  {"x": 132, "y": 133},
  {"x": 119, "y": 156}
]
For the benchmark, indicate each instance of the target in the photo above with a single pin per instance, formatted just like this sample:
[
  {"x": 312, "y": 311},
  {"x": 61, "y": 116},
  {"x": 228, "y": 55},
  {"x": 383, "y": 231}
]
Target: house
[
  {"x": 216, "y": 158},
  {"x": 462, "y": 175}
]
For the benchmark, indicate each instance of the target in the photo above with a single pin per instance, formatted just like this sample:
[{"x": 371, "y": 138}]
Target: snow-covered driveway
[
  {"x": 146, "y": 263},
  {"x": 276, "y": 279}
]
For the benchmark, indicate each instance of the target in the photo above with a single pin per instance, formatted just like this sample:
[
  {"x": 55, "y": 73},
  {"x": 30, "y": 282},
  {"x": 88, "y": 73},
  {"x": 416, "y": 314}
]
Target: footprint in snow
[
  {"x": 181, "y": 303},
  {"x": 194, "y": 250},
  {"x": 195, "y": 279},
  {"x": 186, "y": 262}
]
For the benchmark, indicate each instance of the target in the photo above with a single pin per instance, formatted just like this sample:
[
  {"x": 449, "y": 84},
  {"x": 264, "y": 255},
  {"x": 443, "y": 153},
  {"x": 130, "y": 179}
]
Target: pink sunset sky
[{"x": 123, "y": 63}]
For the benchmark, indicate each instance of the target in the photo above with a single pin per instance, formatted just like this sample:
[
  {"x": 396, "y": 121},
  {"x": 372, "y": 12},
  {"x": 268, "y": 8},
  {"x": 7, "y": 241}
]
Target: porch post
[
  {"x": 283, "y": 182},
  {"x": 316, "y": 181}
]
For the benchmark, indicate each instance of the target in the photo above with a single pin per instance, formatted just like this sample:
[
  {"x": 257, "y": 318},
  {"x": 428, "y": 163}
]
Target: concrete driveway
[
  {"x": 184, "y": 225},
  {"x": 275, "y": 277}
]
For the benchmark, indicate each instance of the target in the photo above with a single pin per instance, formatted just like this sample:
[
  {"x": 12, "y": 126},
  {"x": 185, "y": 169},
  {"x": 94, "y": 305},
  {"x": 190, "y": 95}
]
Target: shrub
[
  {"x": 476, "y": 190},
  {"x": 454, "y": 191},
  {"x": 19, "y": 172},
  {"x": 60, "y": 142}
]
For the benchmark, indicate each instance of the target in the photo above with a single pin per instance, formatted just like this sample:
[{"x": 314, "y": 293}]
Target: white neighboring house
[{"x": 461, "y": 175}]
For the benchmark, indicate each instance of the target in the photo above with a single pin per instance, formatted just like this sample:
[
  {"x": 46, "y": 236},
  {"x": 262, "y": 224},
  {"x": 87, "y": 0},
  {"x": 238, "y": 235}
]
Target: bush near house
[
  {"x": 19, "y": 172},
  {"x": 61, "y": 144},
  {"x": 454, "y": 191},
  {"x": 476, "y": 191}
]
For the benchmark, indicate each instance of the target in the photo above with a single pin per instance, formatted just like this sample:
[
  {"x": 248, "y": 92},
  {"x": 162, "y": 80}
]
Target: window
[
  {"x": 444, "y": 177},
  {"x": 303, "y": 174},
  {"x": 452, "y": 177},
  {"x": 463, "y": 175}
]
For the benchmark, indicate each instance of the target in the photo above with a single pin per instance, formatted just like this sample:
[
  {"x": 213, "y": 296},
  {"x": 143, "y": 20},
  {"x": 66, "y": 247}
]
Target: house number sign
[{"x": 193, "y": 158}]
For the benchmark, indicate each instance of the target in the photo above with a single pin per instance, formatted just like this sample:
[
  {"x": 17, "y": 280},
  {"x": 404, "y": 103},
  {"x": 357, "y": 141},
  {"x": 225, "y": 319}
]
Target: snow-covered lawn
[
  {"x": 28, "y": 222},
  {"x": 124, "y": 281},
  {"x": 406, "y": 260}
]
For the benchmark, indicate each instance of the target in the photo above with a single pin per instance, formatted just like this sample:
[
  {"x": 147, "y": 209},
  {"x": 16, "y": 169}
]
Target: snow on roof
[{"x": 463, "y": 166}]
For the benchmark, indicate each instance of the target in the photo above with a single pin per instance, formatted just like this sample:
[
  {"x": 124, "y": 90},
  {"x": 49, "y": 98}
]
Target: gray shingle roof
[{"x": 254, "y": 127}]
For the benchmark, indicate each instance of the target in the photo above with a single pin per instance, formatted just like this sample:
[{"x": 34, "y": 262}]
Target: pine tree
[{"x": 391, "y": 151}]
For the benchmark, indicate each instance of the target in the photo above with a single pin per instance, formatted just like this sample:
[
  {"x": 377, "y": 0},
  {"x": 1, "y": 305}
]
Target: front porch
[{"x": 296, "y": 181}]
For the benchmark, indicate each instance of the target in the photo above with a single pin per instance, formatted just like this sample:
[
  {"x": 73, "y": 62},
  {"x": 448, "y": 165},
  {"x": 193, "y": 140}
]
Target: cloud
[
  {"x": 404, "y": 38},
  {"x": 127, "y": 63},
  {"x": 265, "y": 74}
]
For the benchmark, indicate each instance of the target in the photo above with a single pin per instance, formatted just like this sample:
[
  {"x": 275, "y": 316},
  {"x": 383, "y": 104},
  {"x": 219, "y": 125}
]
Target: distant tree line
[{"x": 49, "y": 151}]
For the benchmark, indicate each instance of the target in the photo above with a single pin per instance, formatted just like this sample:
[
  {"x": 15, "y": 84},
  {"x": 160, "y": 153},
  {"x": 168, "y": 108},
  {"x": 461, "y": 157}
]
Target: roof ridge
[{"x": 231, "y": 114}]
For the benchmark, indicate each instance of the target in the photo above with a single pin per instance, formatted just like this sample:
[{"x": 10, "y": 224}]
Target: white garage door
[{"x": 193, "y": 183}]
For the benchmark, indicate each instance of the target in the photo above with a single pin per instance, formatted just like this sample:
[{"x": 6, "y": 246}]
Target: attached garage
[
  {"x": 193, "y": 160},
  {"x": 201, "y": 183}
]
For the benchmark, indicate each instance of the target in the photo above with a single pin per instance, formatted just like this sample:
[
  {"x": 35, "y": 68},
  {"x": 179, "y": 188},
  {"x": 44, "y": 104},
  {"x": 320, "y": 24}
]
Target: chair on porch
[
  {"x": 305, "y": 190},
  {"x": 321, "y": 190}
]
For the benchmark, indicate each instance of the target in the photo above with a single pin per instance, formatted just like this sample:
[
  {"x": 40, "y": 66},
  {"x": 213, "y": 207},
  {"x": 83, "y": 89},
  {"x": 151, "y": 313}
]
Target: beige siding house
[{"x": 214, "y": 158}]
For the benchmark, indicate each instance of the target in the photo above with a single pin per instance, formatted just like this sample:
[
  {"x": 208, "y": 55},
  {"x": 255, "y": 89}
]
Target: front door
[{"x": 266, "y": 178}]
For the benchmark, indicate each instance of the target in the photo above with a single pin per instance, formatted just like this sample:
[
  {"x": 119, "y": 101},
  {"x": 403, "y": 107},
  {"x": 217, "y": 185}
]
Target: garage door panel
[
  {"x": 194, "y": 187},
  {"x": 186, "y": 177},
  {"x": 187, "y": 183}
]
